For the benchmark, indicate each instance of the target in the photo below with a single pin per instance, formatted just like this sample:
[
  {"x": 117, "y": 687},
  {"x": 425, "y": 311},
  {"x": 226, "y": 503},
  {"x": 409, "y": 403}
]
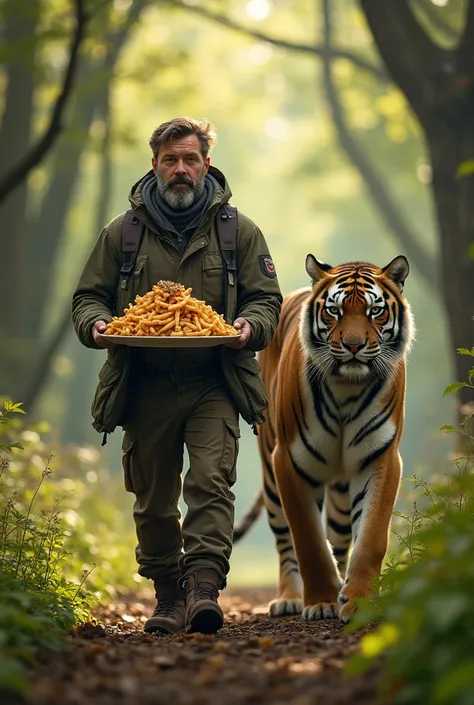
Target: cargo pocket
[
  {"x": 134, "y": 480},
  {"x": 213, "y": 279},
  {"x": 230, "y": 450},
  {"x": 247, "y": 369},
  {"x": 108, "y": 378}
]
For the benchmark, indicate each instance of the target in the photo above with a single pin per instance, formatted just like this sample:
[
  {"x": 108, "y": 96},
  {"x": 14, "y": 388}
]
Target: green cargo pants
[{"x": 166, "y": 410}]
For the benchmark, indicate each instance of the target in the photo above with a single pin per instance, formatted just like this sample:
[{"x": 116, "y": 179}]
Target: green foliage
[
  {"x": 45, "y": 552},
  {"x": 426, "y": 638},
  {"x": 9, "y": 408},
  {"x": 465, "y": 169}
]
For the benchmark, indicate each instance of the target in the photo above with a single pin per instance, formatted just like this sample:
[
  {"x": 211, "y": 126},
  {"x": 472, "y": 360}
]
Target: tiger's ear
[
  {"x": 397, "y": 271},
  {"x": 316, "y": 269}
]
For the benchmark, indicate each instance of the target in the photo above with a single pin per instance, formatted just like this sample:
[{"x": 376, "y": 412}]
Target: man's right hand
[{"x": 97, "y": 331}]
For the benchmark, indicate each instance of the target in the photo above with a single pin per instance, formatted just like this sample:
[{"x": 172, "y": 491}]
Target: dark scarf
[{"x": 181, "y": 222}]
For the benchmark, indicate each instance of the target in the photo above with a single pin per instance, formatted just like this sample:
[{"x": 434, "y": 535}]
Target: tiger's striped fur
[{"x": 335, "y": 377}]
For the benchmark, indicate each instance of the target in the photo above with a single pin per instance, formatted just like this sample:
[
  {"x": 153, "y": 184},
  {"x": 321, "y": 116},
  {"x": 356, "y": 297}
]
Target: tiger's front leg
[
  {"x": 321, "y": 580},
  {"x": 373, "y": 495}
]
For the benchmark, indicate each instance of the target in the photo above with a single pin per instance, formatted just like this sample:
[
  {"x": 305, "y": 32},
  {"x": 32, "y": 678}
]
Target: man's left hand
[{"x": 243, "y": 327}]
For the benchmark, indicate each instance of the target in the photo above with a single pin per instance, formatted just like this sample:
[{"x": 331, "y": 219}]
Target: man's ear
[{"x": 316, "y": 269}]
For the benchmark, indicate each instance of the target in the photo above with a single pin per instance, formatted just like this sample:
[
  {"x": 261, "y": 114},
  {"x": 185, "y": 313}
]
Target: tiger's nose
[{"x": 353, "y": 346}]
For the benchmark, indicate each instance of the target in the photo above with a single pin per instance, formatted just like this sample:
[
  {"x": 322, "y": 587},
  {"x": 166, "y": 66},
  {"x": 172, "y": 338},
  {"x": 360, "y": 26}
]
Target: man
[{"x": 167, "y": 398}]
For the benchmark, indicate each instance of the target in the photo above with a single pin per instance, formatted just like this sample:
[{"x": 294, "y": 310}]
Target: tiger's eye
[
  {"x": 375, "y": 310},
  {"x": 333, "y": 309}
]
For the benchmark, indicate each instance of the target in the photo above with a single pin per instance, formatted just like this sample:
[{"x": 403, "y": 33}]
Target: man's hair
[{"x": 180, "y": 127}]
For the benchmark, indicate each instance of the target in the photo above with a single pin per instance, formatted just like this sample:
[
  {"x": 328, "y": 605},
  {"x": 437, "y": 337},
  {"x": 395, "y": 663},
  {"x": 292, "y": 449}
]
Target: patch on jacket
[{"x": 267, "y": 266}]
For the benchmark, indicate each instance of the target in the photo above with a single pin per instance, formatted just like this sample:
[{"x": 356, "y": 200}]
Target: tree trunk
[
  {"x": 45, "y": 233},
  {"x": 20, "y": 18},
  {"x": 451, "y": 144},
  {"x": 439, "y": 85}
]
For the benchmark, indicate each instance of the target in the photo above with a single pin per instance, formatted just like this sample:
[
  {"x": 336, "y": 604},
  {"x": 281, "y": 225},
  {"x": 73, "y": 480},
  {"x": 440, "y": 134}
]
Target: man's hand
[
  {"x": 97, "y": 330},
  {"x": 243, "y": 327}
]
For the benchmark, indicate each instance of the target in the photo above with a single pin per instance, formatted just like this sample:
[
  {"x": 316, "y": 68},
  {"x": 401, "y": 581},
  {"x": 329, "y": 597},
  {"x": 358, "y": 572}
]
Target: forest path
[{"x": 253, "y": 659}]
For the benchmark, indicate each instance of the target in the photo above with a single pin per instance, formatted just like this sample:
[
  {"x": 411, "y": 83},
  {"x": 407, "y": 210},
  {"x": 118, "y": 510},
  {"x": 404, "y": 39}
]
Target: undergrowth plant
[
  {"x": 424, "y": 641},
  {"x": 38, "y": 604}
]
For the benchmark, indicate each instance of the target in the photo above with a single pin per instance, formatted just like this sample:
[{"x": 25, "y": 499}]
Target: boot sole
[
  {"x": 205, "y": 621},
  {"x": 158, "y": 629}
]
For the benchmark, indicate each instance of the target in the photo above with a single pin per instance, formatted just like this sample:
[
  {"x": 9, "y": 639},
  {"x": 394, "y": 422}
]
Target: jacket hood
[{"x": 222, "y": 194}]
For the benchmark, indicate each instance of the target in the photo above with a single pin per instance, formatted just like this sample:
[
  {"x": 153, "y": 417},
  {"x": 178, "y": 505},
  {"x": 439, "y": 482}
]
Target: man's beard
[{"x": 180, "y": 198}]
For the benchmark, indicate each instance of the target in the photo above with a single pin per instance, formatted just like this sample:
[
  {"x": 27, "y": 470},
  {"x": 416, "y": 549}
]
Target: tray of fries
[{"x": 168, "y": 316}]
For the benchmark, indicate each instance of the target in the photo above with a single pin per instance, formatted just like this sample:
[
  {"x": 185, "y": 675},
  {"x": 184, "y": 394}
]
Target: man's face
[{"x": 180, "y": 171}]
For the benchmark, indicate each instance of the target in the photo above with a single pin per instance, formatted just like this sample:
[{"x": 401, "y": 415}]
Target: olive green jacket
[{"x": 103, "y": 292}]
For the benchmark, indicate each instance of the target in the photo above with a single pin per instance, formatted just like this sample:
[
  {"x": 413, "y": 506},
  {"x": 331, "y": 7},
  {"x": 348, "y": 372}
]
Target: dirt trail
[{"x": 253, "y": 659}]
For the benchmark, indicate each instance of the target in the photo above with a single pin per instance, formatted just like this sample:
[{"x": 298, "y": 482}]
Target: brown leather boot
[
  {"x": 203, "y": 613},
  {"x": 169, "y": 615}
]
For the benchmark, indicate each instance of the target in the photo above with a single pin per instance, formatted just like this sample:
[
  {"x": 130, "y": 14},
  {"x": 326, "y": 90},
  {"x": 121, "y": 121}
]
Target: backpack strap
[
  {"x": 226, "y": 226},
  {"x": 132, "y": 233}
]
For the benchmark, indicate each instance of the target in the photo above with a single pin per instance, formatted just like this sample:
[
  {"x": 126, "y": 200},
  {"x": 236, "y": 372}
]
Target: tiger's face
[{"x": 357, "y": 323}]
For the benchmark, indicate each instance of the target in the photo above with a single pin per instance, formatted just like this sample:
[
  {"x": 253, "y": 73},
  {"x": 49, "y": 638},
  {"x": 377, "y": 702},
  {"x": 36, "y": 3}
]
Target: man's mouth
[{"x": 181, "y": 183}]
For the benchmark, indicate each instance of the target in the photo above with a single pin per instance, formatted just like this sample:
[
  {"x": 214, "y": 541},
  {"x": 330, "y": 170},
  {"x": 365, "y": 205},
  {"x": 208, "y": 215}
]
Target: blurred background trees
[{"x": 345, "y": 129}]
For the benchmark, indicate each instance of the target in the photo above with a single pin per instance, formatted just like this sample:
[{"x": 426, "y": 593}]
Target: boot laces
[
  {"x": 205, "y": 592},
  {"x": 166, "y": 607}
]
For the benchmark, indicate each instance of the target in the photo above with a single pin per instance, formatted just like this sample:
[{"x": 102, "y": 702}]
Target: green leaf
[
  {"x": 454, "y": 387},
  {"x": 448, "y": 429},
  {"x": 466, "y": 351},
  {"x": 458, "y": 679},
  {"x": 465, "y": 169},
  {"x": 470, "y": 251}
]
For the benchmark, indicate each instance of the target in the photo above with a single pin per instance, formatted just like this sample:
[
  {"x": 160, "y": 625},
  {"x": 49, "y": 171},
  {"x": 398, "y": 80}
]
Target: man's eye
[{"x": 334, "y": 310}]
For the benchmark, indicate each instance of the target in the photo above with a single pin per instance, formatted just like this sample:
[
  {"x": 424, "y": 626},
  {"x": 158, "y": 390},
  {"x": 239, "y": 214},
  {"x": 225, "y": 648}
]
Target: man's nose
[{"x": 180, "y": 167}]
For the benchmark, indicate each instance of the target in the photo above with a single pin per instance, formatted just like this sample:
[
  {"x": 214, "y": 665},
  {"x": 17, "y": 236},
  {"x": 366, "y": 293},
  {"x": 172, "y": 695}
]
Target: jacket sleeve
[
  {"x": 93, "y": 299},
  {"x": 259, "y": 297}
]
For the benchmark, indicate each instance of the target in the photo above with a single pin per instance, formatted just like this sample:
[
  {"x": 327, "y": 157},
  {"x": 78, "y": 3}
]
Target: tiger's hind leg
[
  {"x": 290, "y": 590},
  {"x": 321, "y": 581},
  {"x": 337, "y": 515}
]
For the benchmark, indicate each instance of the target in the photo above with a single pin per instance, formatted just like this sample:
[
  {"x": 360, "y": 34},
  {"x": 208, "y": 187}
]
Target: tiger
[{"x": 335, "y": 375}]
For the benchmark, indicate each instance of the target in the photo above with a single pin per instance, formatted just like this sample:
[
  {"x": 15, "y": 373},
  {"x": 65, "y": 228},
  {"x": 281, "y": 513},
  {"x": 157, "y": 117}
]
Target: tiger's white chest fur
[{"x": 344, "y": 427}]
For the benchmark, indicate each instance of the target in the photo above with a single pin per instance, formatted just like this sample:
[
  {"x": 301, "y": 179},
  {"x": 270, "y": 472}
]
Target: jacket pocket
[
  {"x": 242, "y": 373},
  {"x": 103, "y": 398},
  {"x": 230, "y": 450},
  {"x": 133, "y": 478},
  {"x": 213, "y": 279}
]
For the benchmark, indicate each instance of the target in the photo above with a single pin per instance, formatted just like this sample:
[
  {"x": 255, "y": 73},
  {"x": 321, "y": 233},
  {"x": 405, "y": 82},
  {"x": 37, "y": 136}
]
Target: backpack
[{"x": 226, "y": 222}]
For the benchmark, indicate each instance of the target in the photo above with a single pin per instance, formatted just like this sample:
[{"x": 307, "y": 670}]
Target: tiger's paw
[
  {"x": 348, "y": 597},
  {"x": 285, "y": 606},
  {"x": 346, "y": 607},
  {"x": 321, "y": 610}
]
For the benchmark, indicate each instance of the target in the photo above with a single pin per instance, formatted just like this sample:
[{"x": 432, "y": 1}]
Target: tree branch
[
  {"x": 336, "y": 53},
  {"x": 381, "y": 197},
  {"x": 407, "y": 51},
  {"x": 34, "y": 156}
]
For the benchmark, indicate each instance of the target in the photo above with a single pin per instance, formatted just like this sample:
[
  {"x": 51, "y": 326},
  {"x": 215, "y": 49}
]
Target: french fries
[{"x": 169, "y": 310}]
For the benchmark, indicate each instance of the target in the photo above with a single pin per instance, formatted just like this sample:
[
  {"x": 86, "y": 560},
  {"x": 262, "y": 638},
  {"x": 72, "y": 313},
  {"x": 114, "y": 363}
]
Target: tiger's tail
[{"x": 251, "y": 515}]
